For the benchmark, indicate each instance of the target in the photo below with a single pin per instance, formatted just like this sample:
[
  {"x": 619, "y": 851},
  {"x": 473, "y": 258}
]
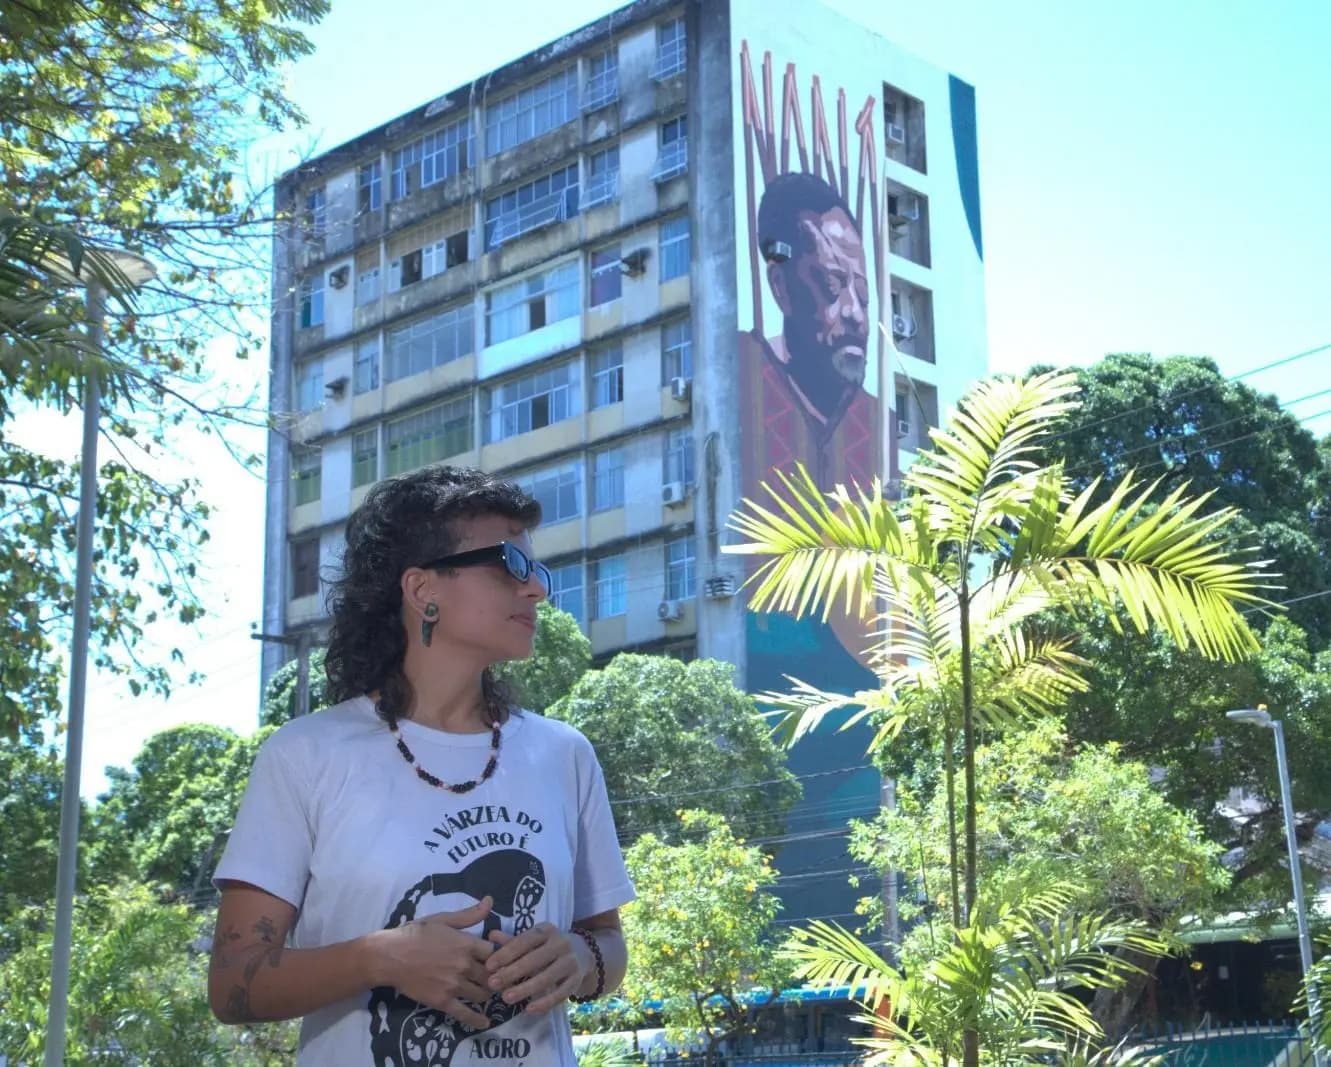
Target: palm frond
[{"x": 825, "y": 548}]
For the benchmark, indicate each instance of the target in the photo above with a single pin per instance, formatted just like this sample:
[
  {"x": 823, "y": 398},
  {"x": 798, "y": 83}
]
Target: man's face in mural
[{"x": 823, "y": 292}]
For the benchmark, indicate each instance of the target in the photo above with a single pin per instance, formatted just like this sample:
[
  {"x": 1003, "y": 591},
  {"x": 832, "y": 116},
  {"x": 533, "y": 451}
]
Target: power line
[{"x": 1282, "y": 361}]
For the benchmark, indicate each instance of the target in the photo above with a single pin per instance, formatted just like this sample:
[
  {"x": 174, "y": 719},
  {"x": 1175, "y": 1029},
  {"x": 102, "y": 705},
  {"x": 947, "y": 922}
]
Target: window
[
  {"x": 405, "y": 270},
  {"x": 679, "y": 456},
  {"x": 430, "y": 342},
  {"x": 611, "y": 586},
  {"x": 674, "y": 250},
  {"x": 367, "y": 285},
  {"x": 445, "y": 153},
  {"x": 673, "y": 158},
  {"x": 370, "y": 186},
  {"x": 307, "y": 474},
  {"x": 533, "y": 402},
  {"x": 680, "y": 553},
  {"x": 312, "y": 301},
  {"x": 364, "y": 457},
  {"x": 557, "y": 489},
  {"x": 548, "y": 199},
  {"x": 309, "y": 386},
  {"x": 316, "y": 213},
  {"x": 305, "y": 567},
  {"x": 531, "y": 303},
  {"x": 438, "y": 256},
  {"x": 429, "y": 436},
  {"x": 365, "y": 369},
  {"x": 602, "y": 176},
  {"x": 606, "y": 276},
  {"x": 676, "y": 350},
  {"x": 545, "y": 106},
  {"x": 602, "y": 80},
  {"x": 608, "y": 479},
  {"x": 607, "y": 377},
  {"x": 566, "y": 592},
  {"x": 432, "y": 159},
  {"x": 671, "y": 50}
]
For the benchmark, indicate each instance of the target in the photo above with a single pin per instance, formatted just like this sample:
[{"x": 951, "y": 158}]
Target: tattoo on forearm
[{"x": 228, "y": 952}]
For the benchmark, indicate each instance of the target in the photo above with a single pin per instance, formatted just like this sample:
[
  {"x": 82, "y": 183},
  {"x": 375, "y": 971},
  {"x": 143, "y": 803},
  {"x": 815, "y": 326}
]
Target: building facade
[{"x": 638, "y": 270}]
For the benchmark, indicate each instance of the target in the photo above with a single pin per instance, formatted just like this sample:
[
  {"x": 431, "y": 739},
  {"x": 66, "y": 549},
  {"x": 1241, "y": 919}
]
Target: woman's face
[{"x": 484, "y": 609}]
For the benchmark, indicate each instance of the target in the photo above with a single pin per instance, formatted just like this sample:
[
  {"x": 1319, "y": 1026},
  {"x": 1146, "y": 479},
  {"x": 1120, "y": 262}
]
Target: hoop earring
[{"x": 427, "y": 624}]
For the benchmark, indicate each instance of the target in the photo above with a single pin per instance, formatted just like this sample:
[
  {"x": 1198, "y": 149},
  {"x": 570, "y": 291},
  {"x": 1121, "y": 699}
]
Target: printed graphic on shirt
[{"x": 406, "y": 1033}]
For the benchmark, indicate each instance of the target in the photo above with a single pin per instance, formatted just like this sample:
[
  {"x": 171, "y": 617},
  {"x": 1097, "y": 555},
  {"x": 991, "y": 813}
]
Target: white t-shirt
[{"x": 335, "y": 822}]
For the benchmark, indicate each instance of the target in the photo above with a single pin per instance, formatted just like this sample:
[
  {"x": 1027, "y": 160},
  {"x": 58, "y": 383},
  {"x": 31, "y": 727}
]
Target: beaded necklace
[{"x": 429, "y": 779}]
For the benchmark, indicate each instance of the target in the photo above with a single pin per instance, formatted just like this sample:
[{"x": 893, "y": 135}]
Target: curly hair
[{"x": 404, "y": 522}]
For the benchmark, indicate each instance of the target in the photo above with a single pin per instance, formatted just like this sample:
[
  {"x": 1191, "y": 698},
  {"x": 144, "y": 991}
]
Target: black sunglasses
[{"x": 519, "y": 565}]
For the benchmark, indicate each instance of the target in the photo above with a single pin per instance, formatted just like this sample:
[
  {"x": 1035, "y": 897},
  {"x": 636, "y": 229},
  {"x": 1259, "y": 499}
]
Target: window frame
[
  {"x": 312, "y": 308},
  {"x": 456, "y": 323},
  {"x": 299, "y": 566},
  {"x": 610, "y": 476},
  {"x": 563, "y": 396},
  {"x": 611, "y": 371},
  {"x": 370, "y": 186},
  {"x": 608, "y": 267},
  {"x": 308, "y": 375},
  {"x": 602, "y": 183},
  {"x": 680, "y": 352},
  {"x": 616, "y": 595},
  {"x": 457, "y": 410},
  {"x": 681, "y": 570},
  {"x": 560, "y": 291},
  {"x": 668, "y": 246},
  {"x": 678, "y": 461},
  {"x": 369, "y": 354},
  {"x": 568, "y": 478},
  {"x": 532, "y": 205},
  {"x": 306, "y": 471},
  {"x": 358, "y": 455},
  {"x": 557, "y": 93}
]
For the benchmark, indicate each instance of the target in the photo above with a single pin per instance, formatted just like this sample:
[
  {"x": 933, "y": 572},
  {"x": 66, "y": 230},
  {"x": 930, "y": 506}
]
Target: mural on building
[
  {"x": 817, "y": 266},
  {"x": 813, "y": 269}
]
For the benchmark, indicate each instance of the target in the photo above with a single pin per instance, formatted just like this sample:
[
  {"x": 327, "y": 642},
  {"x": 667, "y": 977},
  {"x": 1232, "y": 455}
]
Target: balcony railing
[
  {"x": 671, "y": 58},
  {"x": 602, "y": 188},
  {"x": 673, "y": 160},
  {"x": 544, "y": 211},
  {"x": 601, "y": 89}
]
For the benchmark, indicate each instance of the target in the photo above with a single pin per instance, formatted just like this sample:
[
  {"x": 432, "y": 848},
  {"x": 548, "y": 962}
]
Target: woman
[{"x": 423, "y": 873}]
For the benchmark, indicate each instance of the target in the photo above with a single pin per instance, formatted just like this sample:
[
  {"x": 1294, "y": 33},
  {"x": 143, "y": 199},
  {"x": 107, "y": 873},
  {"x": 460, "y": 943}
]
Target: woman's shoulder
[
  {"x": 547, "y": 731},
  {"x": 347, "y": 722}
]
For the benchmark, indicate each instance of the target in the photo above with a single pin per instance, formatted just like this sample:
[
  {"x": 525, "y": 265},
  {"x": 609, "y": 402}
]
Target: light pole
[
  {"x": 1259, "y": 716},
  {"x": 136, "y": 271}
]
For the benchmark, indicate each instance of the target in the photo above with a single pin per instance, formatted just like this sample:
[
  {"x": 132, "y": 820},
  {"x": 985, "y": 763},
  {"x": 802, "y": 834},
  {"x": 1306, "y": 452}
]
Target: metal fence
[{"x": 1226, "y": 1045}]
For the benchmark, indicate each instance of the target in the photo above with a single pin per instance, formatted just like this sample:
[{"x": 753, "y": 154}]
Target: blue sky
[{"x": 1153, "y": 178}]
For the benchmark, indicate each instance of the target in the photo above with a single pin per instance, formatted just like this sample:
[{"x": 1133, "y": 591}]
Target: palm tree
[
  {"x": 985, "y": 539},
  {"x": 39, "y": 322}
]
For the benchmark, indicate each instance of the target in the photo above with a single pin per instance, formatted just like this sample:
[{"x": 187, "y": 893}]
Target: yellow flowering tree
[{"x": 701, "y": 932}]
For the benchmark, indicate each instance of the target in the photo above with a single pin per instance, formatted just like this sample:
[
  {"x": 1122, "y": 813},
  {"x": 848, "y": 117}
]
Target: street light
[
  {"x": 1259, "y": 716},
  {"x": 136, "y": 271}
]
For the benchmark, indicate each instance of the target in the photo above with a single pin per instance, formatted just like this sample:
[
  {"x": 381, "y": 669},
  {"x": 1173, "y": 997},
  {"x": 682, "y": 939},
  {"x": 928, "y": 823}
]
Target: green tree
[
  {"x": 29, "y": 833},
  {"x": 136, "y": 987},
  {"x": 1180, "y": 419},
  {"x": 702, "y": 931},
  {"x": 124, "y": 121},
  {"x": 279, "y": 695},
  {"x": 1052, "y": 816},
  {"x": 165, "y": 819},
  {"x": 562, "y": 654},
  {"x": 660, "y": 727},
  {"x": 988, "y": 539}
]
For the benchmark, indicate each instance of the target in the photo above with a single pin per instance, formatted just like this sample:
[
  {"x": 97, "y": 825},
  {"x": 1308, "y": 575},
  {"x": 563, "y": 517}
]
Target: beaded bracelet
[{"x": 590, "y": 938}]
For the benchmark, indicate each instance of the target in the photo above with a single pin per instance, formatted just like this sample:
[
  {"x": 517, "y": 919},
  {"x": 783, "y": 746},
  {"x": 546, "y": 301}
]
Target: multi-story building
[{"x": 636, "y": 270}]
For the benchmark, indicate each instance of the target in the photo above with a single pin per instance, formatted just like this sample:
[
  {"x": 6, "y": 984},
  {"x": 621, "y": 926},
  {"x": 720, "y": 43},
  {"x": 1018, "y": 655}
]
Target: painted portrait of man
[{"x": 807, "y": 399}]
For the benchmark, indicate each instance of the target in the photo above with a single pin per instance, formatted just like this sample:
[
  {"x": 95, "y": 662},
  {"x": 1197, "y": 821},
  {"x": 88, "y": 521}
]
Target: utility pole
[{"x": 302, "y": 644}]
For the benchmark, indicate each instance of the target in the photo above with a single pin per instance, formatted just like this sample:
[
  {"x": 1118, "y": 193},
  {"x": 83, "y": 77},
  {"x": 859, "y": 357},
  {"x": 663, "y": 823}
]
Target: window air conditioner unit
[
  {"x": 903, "y": 328},
  {"x": 337, "y": 387},
  {"x": 634, "y": 263},
  {"x": 669, "y": 610},
  {"x": 903, "y": 207},
  {"x": 680, "y": 388},
  {"x": 338, "y": 278},
  {"x": 719, "y": 587},
  {"x": 903, "y": 425},
  {"x": 673, "y": 494},
  {"x": 896, "y": 133}
]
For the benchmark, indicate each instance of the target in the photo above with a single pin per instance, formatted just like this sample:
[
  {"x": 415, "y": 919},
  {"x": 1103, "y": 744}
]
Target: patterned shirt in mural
[
  {"x": 779, "y": 431},
  {"x": 335, "y": 823}
]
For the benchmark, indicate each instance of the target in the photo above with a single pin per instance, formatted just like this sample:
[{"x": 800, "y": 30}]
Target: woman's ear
[{"x": 418, "y": 590}]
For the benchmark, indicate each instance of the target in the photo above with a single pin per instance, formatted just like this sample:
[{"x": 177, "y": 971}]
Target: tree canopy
[
  {"x": 125, "y": 122},
  {"x": 671, "y": 735}
]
